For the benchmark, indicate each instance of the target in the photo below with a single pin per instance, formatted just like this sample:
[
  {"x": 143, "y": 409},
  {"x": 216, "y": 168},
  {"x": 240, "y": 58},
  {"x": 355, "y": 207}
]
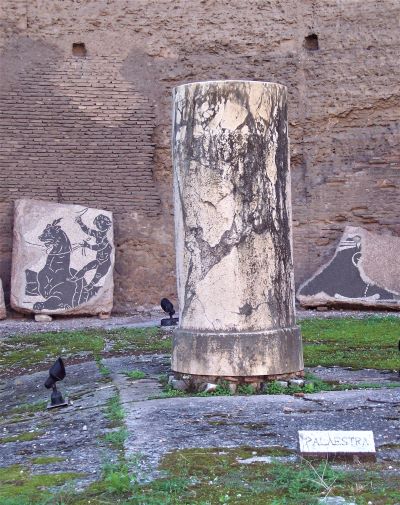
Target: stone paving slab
[
  {"x": 159, "y": 426},
  {"x": 340, "y": 375},
  {"x": 73, "y": 433}
]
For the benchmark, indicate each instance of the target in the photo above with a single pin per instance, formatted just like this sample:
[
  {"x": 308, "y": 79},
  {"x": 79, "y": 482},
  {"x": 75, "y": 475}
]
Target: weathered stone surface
[
  {"x": 43, "y": 318},
  {"x": 60, "y": 433},
  {"x": 334, "y": 500},
  {"x": 179, "y": 385},
  {"x": 63, "y": 258},
  {"x": 3, "y": 313},
  {"x": 209, "y": 388},
  {"x": 363, "y": 271},
  {"x": 233, "y": 231},
  {"x": 110, "y": 115},
  {"x": 296, "y": 382},
  {"x": 256, "y": 421}
]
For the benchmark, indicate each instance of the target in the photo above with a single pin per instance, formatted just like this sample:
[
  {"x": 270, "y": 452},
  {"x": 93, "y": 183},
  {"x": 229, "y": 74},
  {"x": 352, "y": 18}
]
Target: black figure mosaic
[{"x": 60, "y": 284}]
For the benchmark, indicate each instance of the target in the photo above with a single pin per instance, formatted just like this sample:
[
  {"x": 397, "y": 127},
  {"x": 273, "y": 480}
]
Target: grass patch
[
  {"x": 22, "y": 412},
  {"x": 219, "y": 476},
  {"x": 29, "y": 408},
  {"x": 46, "y": 460},
  {"x": 26, "y": 352},
  {"x": 215, "y": 476},
  {"x": 139, "y": 340},
  {"x": 358, "y": 343},
  {"x": 135, "y": 374},
  {"x": 117, "y": 478},
  {"x": 104, "y": 371},
  {"x": 116, "y": 438},
  {"x": 19, "y": 486},
  {"x": 114, "y": 411}
]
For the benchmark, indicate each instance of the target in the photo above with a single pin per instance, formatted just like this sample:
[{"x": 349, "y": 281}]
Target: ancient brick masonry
[
  {"x": 76, "y": 132},
  {"x": 99, "y": 127}
]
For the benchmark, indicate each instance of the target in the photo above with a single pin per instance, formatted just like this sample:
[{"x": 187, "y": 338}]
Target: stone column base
[{"x": 264, "y": 354}]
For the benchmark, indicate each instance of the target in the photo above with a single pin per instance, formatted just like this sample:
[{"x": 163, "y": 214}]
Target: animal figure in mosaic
[{"x": 55, "y": 281}]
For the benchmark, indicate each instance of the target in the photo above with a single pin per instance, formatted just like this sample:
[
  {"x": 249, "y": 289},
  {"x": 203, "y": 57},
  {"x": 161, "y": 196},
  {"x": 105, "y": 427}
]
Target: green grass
[
  {"x": 211, "y": 477},
  {"x": 116, "y": 438},
  {"x": 357, "y": 343},
  {"x": 46, "y": 460},
  {"x": 28, "y": 351},
  {"x": 21, "y": 413},
  {"x": 29, "y": 408},
  {"x": 216, "y": 476},
  {"x": 114, "y": 411},
  {"x": 104, "y": 371},
  {"x": 38, "y": 350},
  {"x": 135, "y": 374},
  {"x": 18, "y": 486}
]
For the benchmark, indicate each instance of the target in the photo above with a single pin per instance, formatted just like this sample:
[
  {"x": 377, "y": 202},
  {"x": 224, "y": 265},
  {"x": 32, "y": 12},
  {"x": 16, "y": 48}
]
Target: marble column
[{"x": 233, "y": 231}]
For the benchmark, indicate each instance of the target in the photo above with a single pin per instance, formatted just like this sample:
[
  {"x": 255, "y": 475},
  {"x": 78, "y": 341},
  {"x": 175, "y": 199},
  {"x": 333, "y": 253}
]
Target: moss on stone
[
  {"x": 17, "y": 482},
  {"x": 46, "y": 460},
  {"x": 22, "y": 437},
  {"x": 40, "y": 349}
]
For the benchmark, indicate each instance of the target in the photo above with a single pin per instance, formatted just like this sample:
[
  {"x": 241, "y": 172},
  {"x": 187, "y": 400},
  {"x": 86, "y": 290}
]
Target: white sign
[{"x": 338, "y": 442}]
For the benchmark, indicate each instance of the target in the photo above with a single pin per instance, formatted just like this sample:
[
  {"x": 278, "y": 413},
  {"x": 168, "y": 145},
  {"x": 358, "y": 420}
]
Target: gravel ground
[{"x": 26, "y": 325}]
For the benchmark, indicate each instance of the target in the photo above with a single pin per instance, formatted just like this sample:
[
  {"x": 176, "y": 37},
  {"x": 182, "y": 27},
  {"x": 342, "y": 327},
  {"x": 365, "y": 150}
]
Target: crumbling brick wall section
[
  {"x": 85, "y": 124},
  {"x": 73, "y": 130}
]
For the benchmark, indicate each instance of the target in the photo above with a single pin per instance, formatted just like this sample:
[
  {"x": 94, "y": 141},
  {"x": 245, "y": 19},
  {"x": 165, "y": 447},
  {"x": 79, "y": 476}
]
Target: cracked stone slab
[
  {"x": 362, "y": 272},
  {"x": 73, "y": 433},
  {"x": 258, "y": 421},
  {"x": 339, "y": 375}
]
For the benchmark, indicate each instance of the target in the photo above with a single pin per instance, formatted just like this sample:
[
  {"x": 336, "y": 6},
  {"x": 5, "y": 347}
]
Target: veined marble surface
[{"x": 232, "y": 206}]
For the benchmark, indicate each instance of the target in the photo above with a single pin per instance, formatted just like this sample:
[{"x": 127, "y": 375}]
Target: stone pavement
[
  {"x": 161, "y": 425},
  {"x": 157, "y": 426}
]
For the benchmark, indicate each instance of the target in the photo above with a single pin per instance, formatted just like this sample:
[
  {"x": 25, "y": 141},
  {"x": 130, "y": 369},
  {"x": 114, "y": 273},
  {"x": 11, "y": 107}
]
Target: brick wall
[
  {"x": 73, "y": 130},
  {"x": 99, "y": 127}
]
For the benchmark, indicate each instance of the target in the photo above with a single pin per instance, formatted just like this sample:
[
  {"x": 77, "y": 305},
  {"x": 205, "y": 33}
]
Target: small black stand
[
  {"x": 167, "y": 307},
  {"x": 56, "y": 399},
  {"x": 169, "y": 321},
  {"x": 56, "y": 373}
]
